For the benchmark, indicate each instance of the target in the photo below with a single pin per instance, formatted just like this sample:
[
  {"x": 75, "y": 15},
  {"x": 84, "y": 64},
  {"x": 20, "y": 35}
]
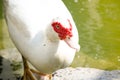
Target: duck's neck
[{"x": 51, "y": 34}]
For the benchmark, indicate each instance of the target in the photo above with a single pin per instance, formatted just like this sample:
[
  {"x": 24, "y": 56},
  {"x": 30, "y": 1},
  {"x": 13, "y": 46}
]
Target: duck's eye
[
  {"x": 57, "y": 26},
  {"x": 68, "y": 37}
]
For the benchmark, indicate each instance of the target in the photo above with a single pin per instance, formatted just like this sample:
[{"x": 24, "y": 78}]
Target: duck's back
[{"x": 35, "y": 15}]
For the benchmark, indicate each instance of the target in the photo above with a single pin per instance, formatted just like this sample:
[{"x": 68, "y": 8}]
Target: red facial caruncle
[{"x": 63, "y": 32}]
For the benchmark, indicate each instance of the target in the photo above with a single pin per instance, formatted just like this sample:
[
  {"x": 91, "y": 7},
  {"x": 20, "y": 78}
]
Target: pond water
[{"x": 98, "y": 23}]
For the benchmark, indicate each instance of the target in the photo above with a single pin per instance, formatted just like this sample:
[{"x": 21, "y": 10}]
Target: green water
[
  {"x": 1, "y": 45},
  {"x": 98, "y": 23},
  {"x": 5, "y": 41}
]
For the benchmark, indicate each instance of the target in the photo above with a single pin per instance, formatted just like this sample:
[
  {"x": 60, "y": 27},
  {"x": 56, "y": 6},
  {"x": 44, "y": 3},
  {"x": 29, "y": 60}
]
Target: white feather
[{"x": 29, "y": 26}]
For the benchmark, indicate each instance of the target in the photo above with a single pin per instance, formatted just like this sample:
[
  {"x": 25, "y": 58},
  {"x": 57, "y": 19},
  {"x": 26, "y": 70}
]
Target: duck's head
[{"x": 64, "y": 30}]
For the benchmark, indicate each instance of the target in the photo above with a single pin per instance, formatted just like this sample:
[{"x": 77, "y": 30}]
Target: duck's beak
[{"x": 73, "y": 44}]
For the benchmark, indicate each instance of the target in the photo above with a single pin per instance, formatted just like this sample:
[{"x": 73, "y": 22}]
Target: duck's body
[{"x": 29, "y": 24}]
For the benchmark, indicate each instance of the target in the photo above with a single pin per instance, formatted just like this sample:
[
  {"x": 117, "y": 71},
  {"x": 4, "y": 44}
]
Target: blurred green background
[{"x": 98, "y": 23}]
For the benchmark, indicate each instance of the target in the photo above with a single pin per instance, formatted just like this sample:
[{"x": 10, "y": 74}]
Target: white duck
[{"x": 44, "y": 33}]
